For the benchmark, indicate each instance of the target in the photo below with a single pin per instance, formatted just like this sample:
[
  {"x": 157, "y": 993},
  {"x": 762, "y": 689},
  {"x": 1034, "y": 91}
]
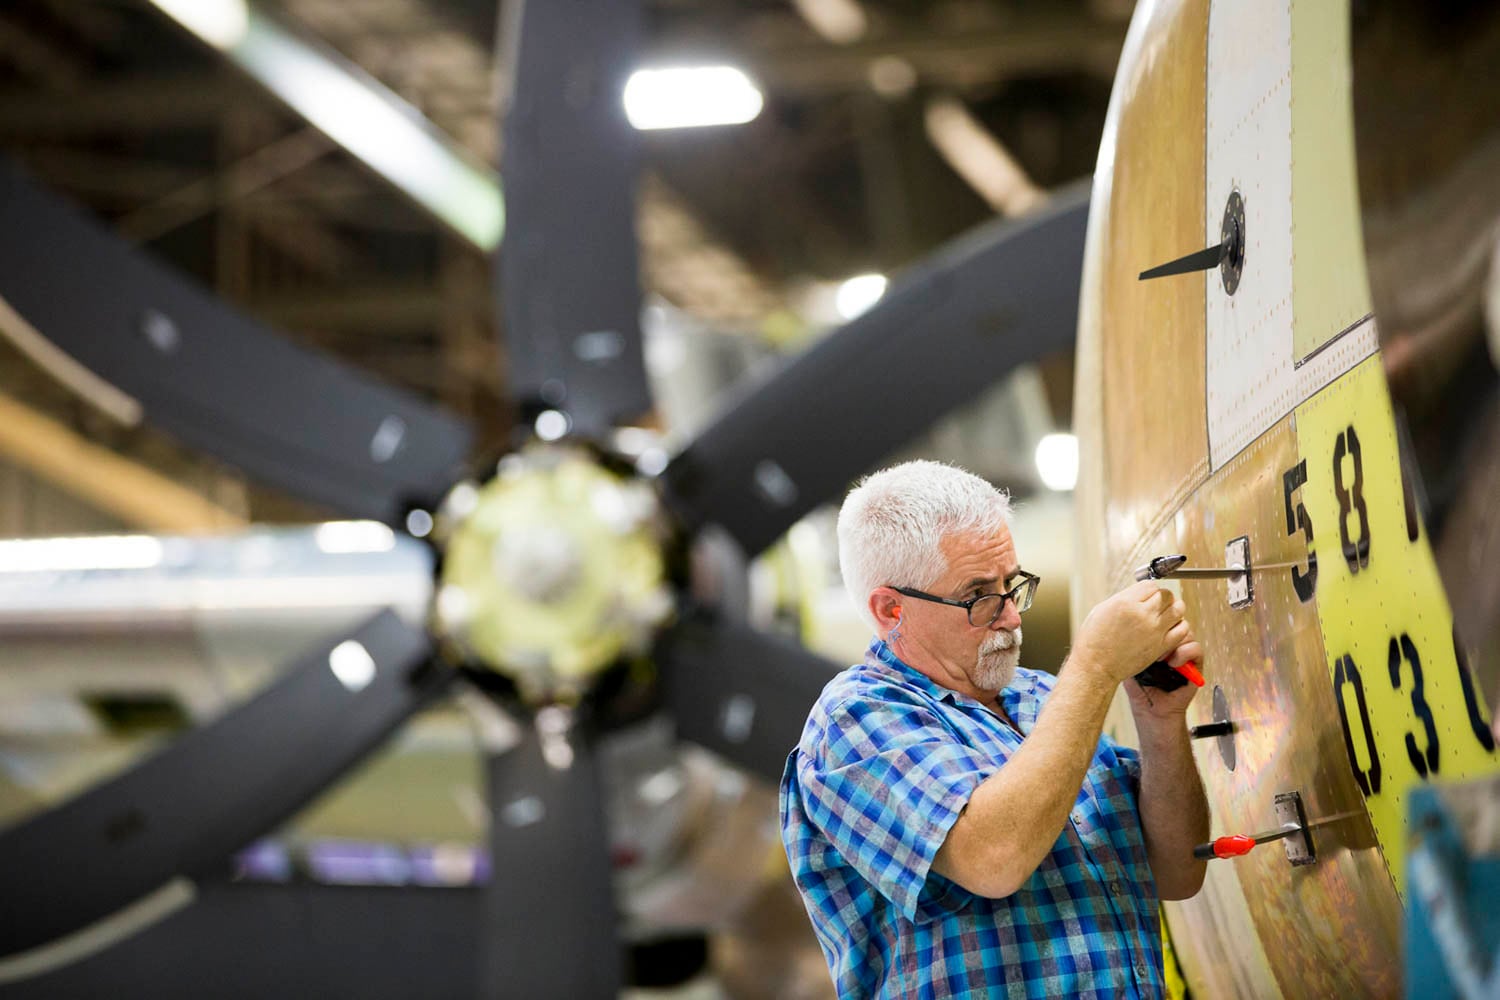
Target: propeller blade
[
  {"x": 213, "y": 378},
  {"x": 551, "y": 928},
  {"x": 214, "y": 789},
  {"x": 740, "y": 692},
  {"x": 569, "y": 290},
  {"x": 1002, "y": 296}
]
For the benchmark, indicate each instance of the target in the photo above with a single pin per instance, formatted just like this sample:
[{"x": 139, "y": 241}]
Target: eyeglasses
[{"x": 986, "y": 608}]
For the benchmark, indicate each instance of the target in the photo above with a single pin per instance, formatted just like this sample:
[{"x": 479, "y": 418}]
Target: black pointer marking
[{"x": 1202, "y": 260}]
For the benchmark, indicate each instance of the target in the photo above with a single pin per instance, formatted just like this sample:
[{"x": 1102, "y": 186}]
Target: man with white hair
[{"x": 957, "y": 825}]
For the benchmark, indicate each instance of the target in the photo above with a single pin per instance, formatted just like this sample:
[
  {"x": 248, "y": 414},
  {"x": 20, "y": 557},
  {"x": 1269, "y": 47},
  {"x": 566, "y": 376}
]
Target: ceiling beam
[
  {"x": 260, "y": 169},
  {"x": 105, "y": 178},
  {"x": 375, "y": 309},
  {"x": 125, "y": 106},
  {"x": 137, "y": 495},
  {"x": 1030, "y": 45}
]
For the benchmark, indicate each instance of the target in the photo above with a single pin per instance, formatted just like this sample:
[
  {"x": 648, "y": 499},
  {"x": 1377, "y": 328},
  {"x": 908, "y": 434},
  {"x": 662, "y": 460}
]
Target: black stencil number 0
[
  {"x": 1481, "y": 729},
  {"x": 1345, "y": 672}
]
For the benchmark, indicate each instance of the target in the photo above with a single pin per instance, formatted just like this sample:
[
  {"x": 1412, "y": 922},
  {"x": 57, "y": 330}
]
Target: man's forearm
[
  {"x": 1174, "y": 811},
  {"x": 1014, "y": 817}
]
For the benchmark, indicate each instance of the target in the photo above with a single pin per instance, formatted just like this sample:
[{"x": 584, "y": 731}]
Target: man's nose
[{"x": 1009, "y": 618}]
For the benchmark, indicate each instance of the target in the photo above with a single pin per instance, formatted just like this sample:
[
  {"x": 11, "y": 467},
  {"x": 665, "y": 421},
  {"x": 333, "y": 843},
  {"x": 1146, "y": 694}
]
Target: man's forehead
[{"x": 980, "y": 553}]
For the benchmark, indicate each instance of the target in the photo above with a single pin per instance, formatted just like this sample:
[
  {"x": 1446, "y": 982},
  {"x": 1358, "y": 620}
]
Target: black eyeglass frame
[{"x": 1027, "y": 580}]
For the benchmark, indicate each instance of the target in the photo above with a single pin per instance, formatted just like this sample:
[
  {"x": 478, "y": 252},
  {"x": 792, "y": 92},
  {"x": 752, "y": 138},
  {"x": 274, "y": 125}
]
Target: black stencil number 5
[{"x": 1304, "y": 581}]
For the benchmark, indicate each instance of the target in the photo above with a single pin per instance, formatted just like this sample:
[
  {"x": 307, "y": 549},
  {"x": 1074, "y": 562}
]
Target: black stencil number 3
[
  {"x": 1351, "y": 500},
  {"x": 1402, "y": 649}
]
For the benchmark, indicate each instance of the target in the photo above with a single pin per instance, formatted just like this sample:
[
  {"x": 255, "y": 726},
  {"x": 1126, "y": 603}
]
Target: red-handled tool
[
  {"x": 1236, "y": 844},
  {"x": 1159, "y": 675}
]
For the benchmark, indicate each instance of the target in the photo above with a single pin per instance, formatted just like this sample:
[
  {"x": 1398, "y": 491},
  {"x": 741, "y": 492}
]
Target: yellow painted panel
[
  {"x": 1409, "y": 713},
  {"x": 1330, "y": 289}
]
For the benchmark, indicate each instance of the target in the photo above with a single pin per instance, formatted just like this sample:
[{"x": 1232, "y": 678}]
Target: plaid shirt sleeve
[{"x": 884, "y": 781}]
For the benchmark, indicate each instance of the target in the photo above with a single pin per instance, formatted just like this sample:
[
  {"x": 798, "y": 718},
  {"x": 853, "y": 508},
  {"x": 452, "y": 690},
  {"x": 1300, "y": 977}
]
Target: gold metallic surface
[
  {"x": 1328, "y": 929},
  {"x": 1154, "y": 426},
  {"x": 1260, "y": 927}
]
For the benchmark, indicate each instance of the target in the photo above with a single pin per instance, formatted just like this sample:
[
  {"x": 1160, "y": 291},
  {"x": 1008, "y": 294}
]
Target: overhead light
[
  {"x": 1057, "y": 461},
  {"x": 57, "y": 555},
  {"x": 221, "y": 23},
  {"x": 892, "y": 76},
  {"x": 356, "y": 111},
  {"x": 858, "y": 294},
  {"x": 842, "y": 22},
  {"x": 690, "y": 97}
]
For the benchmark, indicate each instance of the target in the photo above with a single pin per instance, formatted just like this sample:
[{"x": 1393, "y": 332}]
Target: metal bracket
[
  {"x": 1299, "y": 845},
  {"x": 1237, "y": 556}
]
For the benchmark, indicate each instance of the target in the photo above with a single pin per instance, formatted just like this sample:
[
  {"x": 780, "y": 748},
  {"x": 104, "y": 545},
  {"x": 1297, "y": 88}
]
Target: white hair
[{"x": 892, "y": 526}]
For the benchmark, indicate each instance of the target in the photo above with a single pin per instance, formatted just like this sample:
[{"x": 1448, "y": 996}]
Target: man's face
[{"x": 975, "y": 660}]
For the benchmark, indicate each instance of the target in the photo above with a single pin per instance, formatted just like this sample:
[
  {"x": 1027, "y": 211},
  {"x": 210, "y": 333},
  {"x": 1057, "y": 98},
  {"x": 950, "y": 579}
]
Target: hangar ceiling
[{"x": 844, "y": 171}]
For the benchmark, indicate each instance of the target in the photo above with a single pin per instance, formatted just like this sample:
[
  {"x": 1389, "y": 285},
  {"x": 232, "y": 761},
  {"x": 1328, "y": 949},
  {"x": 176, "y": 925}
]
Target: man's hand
[
  {"x": 1154, "y": 705},
  {"x": 1127, "y": 632}
]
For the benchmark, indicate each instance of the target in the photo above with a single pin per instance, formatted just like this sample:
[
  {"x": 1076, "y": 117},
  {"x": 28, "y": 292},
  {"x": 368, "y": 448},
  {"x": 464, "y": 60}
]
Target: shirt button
[
  {"x": 1141, "y": 971},
  {"x": 1114, "y": 888}
]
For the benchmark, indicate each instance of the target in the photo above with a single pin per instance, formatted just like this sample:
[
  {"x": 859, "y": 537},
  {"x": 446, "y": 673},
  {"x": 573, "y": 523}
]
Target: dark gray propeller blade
[
  {"x": 742, "y": 693},
  {"x": 568, "y": 273},
  {"x": 213, "y": 378},
  {"x": 549, "y": 912},
  {"x": 1003, "y": 295},
  {"x": 214, "y": 789}
]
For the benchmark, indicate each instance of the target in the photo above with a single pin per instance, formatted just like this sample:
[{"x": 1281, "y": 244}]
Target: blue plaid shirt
[{"x": 886, "y": 763}]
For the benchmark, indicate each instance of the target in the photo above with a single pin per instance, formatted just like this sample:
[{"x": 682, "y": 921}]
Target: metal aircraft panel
[
  {"x": 1340, "y": 670},
  {"x": 1157, "y": 449}
]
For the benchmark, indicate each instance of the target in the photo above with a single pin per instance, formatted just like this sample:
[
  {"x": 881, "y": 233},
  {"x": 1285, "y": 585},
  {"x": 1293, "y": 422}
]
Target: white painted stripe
[{"x": 1250, "y": 382}]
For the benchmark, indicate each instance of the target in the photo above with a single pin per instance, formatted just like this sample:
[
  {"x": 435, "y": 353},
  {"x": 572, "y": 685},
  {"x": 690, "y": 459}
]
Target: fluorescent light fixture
[
  {"x": 858, "y": 294},
  {"x": 352, "y": 664},
  {"x": 690, "y": 97},
  {"x": 221, "y": 23},
  {"x": 356, "y": 111},
  {"x": 347, "y": 537},
  {"x": 1057, "y": 461},
  {"x": 842, "y": 22},
  {"x": 56, "y": 555}
]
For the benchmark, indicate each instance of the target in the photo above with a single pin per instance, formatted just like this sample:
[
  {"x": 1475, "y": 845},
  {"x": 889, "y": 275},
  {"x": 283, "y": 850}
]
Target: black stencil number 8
[{"x": 1351, "y": 500}]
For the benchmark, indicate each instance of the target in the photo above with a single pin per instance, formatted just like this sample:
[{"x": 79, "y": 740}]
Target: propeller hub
[
  {"x": 553, "y": 570},
  {"x": 544, "y": 565}
]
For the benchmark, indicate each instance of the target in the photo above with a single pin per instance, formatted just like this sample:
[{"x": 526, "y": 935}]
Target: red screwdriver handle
[
  {"x": 1190, "y": 671},
  {"x": 1231, "y": 846}
]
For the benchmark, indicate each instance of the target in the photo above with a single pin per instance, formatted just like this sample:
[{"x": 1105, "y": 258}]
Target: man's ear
[{"x": 885, "y": 605}]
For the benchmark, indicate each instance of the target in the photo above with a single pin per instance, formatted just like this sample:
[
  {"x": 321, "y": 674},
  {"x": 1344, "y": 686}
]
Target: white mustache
[{"x": 1002, "y": 640}]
